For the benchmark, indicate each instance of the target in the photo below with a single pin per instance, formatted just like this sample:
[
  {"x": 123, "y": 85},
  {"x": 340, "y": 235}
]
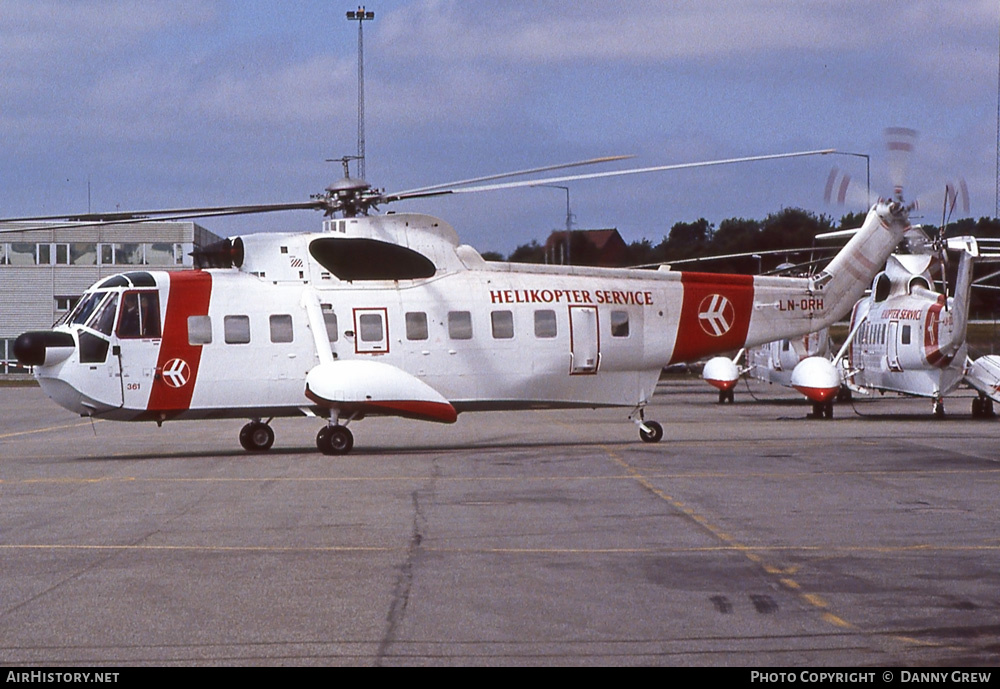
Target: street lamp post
[
  {"x": 569, "y": 218},
  {"x": 868, "y": 171},
  {"x": 360, "y": 16}
]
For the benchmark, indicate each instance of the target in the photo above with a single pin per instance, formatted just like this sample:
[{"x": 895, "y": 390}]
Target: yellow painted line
[
  {"x": 837, "y": 621},
  {"x": 751, "y": 553},
  {"x": 815, "y": 600},
  {"x": 50, "y": 428}
]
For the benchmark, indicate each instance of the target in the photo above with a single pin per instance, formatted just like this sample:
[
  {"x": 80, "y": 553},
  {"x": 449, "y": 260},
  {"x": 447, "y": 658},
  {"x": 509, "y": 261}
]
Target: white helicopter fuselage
[
  {"x": 390, "y": 315},
  {"x": 908, "y": 345},
  {"x": 773, "y": 362},
  {"x": 908, "y": 338}
]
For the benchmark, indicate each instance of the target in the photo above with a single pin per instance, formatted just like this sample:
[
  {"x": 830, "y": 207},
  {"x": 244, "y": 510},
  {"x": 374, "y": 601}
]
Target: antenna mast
[{"x": 360, "y": 16}]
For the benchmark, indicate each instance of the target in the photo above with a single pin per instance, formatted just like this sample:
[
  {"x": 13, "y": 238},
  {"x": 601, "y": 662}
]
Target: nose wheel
[
  {"x": 334, "y": 440},
  {"x": 256, "y": 436},
  {"x": 649, "y": 431}
]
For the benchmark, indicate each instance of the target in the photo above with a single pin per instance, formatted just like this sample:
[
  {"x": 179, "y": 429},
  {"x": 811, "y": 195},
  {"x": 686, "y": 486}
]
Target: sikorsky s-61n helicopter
[
  {"x": 391, "y": 315},
  {"x": 905, "y": 335}
]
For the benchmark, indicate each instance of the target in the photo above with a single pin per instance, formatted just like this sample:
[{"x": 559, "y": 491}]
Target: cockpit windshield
[
  {"x": 104, "y": 318},
  {"x": 95, "y": 310},
  {"x": 85, "y": 307}
]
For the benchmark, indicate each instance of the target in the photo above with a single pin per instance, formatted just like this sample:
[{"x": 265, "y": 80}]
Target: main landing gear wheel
[
  {"x": 655, "y": 433},
  {"x": 334, "y": 440},
  {"x": 256, "y": 436},
  {"x": 822, "y": 410},
  {"x": 982, "y": 408},
  {"x": 727, "y": 396}
]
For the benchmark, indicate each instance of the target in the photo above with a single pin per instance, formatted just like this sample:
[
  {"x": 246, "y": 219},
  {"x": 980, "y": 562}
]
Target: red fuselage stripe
[
  {"x": 715, "y": 315},
  {"x": 189, "y": 295}
]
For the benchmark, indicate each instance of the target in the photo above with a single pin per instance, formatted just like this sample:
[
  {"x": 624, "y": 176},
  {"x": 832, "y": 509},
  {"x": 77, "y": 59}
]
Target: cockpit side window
[{"x": 140, "y": 316}]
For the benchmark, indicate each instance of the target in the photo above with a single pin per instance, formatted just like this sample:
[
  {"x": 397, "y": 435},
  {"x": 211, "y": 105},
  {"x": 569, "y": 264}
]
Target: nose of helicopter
[{"x": 43, "y": 347}]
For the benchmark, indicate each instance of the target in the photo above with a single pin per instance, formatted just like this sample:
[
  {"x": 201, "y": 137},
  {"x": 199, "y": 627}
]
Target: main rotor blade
[
  {"x": 125, "y": 218},
  {"x": 742, "y": 254},
  {"x": 487, "y": 178},
  {"x": 597, "y": 175}
]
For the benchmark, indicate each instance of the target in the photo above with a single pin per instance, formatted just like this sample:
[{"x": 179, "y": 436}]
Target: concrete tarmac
[{"x": 750, "y": 536}]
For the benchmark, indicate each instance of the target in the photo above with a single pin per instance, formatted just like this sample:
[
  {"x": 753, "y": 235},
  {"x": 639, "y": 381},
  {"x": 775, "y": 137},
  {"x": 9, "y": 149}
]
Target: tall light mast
[{"x": 360, "y": 16}]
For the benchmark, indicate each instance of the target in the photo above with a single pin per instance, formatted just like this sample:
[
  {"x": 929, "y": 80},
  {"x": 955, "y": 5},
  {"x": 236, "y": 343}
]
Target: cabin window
[
  {"x": 460, "y": 325},
  {"x": 619, "y": 324},
  {"x": 199, "y": 330},
  {"x": 904, "y": 335},
  {"x": 545, "y": 323},
  {"x": 416, "y": 325},
  {"x": 370, "y": 327},
  {"x": 281, "y": 328},
  {"x": 330, "y": 320},
  {"x": 236, "y": 329},
  {"x": 140, "y": 315},
  {"x": 503, "y": 324}
]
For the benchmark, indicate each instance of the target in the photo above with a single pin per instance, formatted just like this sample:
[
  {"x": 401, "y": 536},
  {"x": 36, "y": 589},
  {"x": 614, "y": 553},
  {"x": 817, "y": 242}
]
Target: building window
[
  {"x": 236, "y": 329},
  {"x": 129, "y": 254},
  {"x": 22, "y": 254},
  {"x": 460, "y": 325},
  {"x": 83, "y": 254},
  {"x": 163, "y": 254},
  {"x": 416, "y": 325},
  {"x": 281, "y": 328},
  {"x": 503, "y": 324},
  {"x": 545, "y": 323},
  {"x": 64, "y": 304}
]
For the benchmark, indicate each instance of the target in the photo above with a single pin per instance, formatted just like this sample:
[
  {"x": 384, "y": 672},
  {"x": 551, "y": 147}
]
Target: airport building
[{"x": 43, "y": 272}]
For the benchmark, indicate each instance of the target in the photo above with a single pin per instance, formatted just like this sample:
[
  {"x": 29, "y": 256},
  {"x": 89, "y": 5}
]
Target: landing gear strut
[
  {"x": 334, "y": 440},
  {"x": 257, "y": 436},
  {"x": 938, "y": 408}
]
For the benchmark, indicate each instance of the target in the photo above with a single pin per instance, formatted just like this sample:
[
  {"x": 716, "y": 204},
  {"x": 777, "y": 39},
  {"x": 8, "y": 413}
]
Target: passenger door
[{"x": 584, "y": 340}]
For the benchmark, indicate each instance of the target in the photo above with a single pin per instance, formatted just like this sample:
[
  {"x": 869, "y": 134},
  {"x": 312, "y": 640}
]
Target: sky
[{"x": 139, "y": 104}]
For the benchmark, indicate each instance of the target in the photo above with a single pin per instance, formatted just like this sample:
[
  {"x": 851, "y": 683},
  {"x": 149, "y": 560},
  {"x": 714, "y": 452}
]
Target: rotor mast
[{"x": 360, "y": 16}]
